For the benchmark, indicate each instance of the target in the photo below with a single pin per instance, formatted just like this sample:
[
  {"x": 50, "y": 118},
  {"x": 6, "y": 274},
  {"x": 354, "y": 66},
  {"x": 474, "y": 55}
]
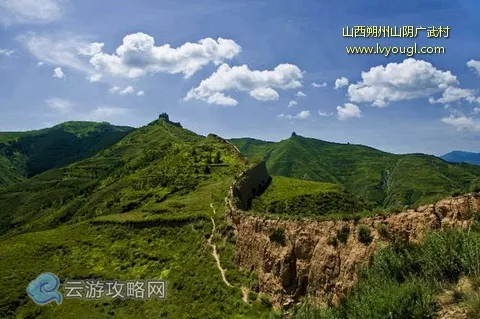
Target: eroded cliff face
[{"x": 308, "y": 262}]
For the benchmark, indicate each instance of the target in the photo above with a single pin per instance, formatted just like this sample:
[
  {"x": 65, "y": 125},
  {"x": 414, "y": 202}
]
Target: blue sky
[{"x": 251, "y": 68}]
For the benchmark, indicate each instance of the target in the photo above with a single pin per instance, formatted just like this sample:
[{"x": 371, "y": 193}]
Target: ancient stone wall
[{"x": 250, "y": 183}]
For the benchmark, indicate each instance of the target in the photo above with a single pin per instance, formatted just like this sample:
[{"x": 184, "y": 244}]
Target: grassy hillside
[
  {"x": 289, "y": 197},
  {"x": 383, "y": 178},
  {"x": 26, "y": 154},
  {"x": 139, "y": 209}
]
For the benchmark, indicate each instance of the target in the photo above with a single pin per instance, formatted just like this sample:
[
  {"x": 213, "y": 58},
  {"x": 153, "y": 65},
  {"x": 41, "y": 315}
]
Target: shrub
[
  {"x": 278, "y": 236},
  {"x": 364, "y": 235},
  {"x": 333, "y": 241},
  {"x": 265, "y": 302},
  {"x": 253, "y": 281},
  {"x": 342, "y": 234},
  {"x": 383, "y": 231},
  {"x": 252, "y": 295}
]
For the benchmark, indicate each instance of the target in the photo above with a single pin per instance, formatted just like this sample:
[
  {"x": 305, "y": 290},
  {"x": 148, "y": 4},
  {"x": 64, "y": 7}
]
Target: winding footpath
[{"x": 214, "y": 253}]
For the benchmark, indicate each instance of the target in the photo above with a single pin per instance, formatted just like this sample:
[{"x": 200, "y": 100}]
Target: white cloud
[
  {"x": 138, "y": 56},
  {"x": 316, "y": 85},
  {"x": 242, "y": 79},
  {"x": 292, "y": 103},
  {"x": 128, "y": 90},
  {"x": 454, "y": 94},
  {"x": 476, "y": 110},
  {"x": 91, "y": 49},
  {"x": 59, "y": 104},
  {"x": 474, "y": 65},
  {"x": 114, "y": 89},
  {"x": 349, "y": 110},
  {"x": 58, "y": 73},
  {"x": 40, "y": 63},
  {"x": 302, "y": 115},
  {"x": 462, "y": 123},
  {"x": 6, "y": 52},
  {"x": 265, "y": 94},
  {"x": 30, "y": 11},
  {"x": 221, "y": 99},
  {"x": 341, "y": 82},
  {"x": 300, "y": 94},
  {"x": 103, "y": 113},
  {"x": 95, "y": 77},
  {"x": 407, "y": 80},
  {"x": 58, "y": 50},
  {"x": 321, "y": 113}
]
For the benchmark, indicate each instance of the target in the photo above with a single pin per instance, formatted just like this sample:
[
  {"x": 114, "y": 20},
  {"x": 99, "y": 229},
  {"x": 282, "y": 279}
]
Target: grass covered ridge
[
  {"x": 26, "y": 154},
  {"x": 292, "y": 198}
]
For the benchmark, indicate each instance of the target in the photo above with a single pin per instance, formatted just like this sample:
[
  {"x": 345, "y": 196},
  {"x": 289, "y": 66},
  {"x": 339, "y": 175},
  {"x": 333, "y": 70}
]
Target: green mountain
[
  {"x": 462, "y": 157},
  {"x": 26, "y": 154},
  {"x": 383, "y": 178},
  {"x": 150, "y": 206},
  {"x": 142, "y": 208}
]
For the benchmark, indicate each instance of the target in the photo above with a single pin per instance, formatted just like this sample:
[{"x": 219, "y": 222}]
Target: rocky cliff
[{"x": 321, "y": 259}]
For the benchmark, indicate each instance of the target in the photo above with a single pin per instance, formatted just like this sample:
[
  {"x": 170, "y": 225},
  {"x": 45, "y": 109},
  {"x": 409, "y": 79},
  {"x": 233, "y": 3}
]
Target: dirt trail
[
  {"x": 245, "y": 294},
  {"x": 214, "y": 253}
]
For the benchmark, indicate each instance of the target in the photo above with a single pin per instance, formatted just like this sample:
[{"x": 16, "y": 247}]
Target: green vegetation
[
  {"x": 25, "y": 154},
  {"x": 289, "y": 197},
  {"x": 252, "y": 296},
  {"x": 408, "y": 281},
  {"x": 176, "y": 253},
  {"x": 139, "y": 206},
  {"x": 343, "y": 233},
  {"x": 150, "y": 174},
  {"x": 278, "y": 236},
  {"x": 383, "y": 231},
  {"x": 139, "y": 209},
  {"x": 364, "y": 235},
  {"x": 385, "y": 179}
]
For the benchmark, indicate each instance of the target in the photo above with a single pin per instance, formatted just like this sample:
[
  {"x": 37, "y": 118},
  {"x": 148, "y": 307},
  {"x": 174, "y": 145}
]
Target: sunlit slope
[
  {"x": 136, "y": 175},
  {"x": 140, "y": 209},
  {"x": 383, "y": 178}
]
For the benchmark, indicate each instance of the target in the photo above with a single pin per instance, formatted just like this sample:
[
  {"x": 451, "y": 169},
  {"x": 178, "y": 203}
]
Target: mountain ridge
[
  {"x": 384, "y": 178},
  {"x": 462, "y": 157},
  {"x": 26, "y": 154}
]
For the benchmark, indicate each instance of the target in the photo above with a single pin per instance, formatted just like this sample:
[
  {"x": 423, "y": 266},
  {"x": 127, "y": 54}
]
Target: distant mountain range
[
  {"x": 462, "y": 157},
  {"x": 381, "y": 178}
]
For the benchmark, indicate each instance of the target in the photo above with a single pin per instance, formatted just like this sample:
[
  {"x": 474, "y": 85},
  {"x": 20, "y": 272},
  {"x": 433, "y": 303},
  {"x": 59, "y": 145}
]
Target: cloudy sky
[{"x": 257, "y": 68}]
